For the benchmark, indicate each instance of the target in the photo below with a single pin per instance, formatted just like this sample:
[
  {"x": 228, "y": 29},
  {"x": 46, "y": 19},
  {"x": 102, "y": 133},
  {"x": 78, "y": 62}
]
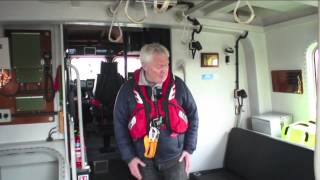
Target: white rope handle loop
[
  {"x": 111, "y": 9},
  {"x": 139, "y": 21},
  {"x": 114, "y": 19},
  {"x": 236, "y": 17},
  {"x": 163, "y": 8}
]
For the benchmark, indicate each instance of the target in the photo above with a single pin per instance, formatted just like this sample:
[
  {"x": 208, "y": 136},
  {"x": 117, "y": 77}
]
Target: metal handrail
[
  {"x": 47, "y": 150},
  {"x": 80, "y": 116}
]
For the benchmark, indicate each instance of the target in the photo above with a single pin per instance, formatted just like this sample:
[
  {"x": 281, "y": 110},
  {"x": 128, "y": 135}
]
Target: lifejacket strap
[
  {"x": 167, "y": 118},
  {"x": 165, "y": 102},
  {"x": 146, "y": 107}
]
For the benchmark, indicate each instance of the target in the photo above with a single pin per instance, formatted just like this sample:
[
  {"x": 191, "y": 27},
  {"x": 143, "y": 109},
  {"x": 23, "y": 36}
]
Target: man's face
[{"x": 157, "y": 69}]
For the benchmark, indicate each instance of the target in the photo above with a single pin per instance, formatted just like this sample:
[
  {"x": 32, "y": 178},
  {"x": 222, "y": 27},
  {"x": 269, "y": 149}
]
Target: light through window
[{"x": 88, "y": 66}]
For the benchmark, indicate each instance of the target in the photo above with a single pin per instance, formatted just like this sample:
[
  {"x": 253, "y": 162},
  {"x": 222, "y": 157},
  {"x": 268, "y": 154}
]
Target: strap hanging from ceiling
[
  {"x": 138, "y": 21},
  {"x": 236, "y": 17},
  {"x": 158, "y": 7},
  {"x": 114, "y": 13}
]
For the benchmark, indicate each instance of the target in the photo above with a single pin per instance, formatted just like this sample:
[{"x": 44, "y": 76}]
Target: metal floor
[
  {"x": 116, "y": 170},
  {"x": 105, "y": 163}
]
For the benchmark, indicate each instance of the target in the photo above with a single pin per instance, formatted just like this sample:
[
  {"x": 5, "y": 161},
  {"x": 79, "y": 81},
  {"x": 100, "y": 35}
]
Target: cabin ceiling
[{"x": 266, "y": 12}]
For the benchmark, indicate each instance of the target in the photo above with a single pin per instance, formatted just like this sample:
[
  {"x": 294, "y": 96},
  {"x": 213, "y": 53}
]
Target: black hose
[
  {"x": 48, "y": 87},
  {"x": 189, "y": 4},
  {"x": 241, "y": 36},
  {"x": 238, "y": 96},
  {"x": 48, "y": 80},
  {"x": 194, "y": 21},
  {"x": 50, "y": 133}
]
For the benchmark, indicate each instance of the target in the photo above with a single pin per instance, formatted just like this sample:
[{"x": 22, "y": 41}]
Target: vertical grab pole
[
  {"x": 80, "y": 116},
  {"x": 69, "y": 118},
  {"x": 72, "y": 149},
  {"x": 64, "y": 106}
]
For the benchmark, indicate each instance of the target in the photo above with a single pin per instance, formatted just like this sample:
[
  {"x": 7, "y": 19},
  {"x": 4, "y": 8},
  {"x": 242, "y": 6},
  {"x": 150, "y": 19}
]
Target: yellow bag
[
  {"x": 302, "y": 133},
  {"x": 151, "y": 142},
  {"x": 150, "y": 147}
]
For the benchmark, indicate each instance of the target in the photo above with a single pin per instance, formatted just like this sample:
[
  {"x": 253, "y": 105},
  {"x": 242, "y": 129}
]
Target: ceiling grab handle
[
  {"x": 163, "y": 8},
  {"x": 115, "y": 19},
  {"x": 111, "y": 9},
  {"x": 236, "y": 17},
  {"x": 139, "y": 21}
]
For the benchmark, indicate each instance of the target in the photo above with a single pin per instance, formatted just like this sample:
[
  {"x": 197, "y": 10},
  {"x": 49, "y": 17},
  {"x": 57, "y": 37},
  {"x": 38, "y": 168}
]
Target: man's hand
[
  {"x": 134, "y": 167},
  {"x": 187, "y": 158}
]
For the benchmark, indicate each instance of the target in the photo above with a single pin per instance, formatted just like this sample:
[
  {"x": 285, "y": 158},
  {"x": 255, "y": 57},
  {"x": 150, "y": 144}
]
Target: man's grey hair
[{"x": 148, "y": 50}]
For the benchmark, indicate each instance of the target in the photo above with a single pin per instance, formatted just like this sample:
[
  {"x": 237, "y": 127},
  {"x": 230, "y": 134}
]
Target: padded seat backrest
[{"x": 259, "y": 157}]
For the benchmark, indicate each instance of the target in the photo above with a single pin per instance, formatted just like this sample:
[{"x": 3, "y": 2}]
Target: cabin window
[{"x": 88, "y": 66}]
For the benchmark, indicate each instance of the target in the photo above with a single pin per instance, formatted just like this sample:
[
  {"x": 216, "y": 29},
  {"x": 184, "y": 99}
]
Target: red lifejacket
[{"x": 146, "y": 110}]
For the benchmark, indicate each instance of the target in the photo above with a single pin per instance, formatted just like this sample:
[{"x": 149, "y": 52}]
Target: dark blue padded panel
[
  {"x": 216, "y": 174},
  {"x": 259, "y": 157}
]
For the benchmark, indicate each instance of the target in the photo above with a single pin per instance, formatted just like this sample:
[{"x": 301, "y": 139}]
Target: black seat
[{"x": 254, "y": 156}]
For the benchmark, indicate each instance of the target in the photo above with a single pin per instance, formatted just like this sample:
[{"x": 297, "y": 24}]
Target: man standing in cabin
[{"x": 156, "y": 120}]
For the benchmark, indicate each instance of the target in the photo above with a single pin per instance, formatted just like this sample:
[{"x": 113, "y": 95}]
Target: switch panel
[{"x": 5, "y": 115}]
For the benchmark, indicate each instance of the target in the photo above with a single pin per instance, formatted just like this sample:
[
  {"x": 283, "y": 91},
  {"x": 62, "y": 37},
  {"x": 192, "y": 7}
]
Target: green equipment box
[
  {"x": 26, "y": 56},
  {"x": 30, "y": 103}
]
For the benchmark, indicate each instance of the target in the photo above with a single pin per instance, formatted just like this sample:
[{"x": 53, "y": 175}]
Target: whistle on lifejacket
[{"x": 150, "y": 142}]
